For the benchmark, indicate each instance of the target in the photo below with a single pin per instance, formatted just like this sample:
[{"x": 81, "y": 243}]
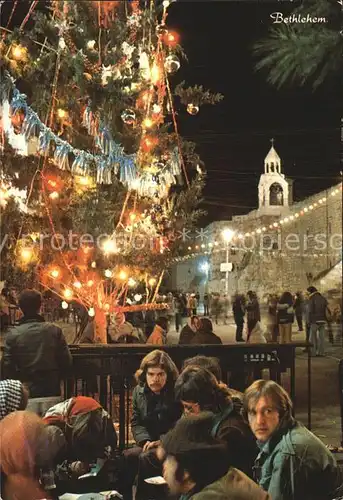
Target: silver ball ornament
[
  {"x": 128, "y": 116},
  {"x": 192, "y": 109},
  {"x": 172, "y": 63}
]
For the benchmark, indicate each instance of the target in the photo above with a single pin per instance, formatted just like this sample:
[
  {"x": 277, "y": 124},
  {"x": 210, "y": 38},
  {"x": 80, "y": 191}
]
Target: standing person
[
  {"x": 298, "y": 308},
  {"x": 154, "y": 412},
  {"x": 36, "y": 353},
  {"x": 180, "y": 308},
  {"x": 285, "y": 317},
  {"x": 306, "y": 311},
  {"x": 225, "y": 308},
  {"x": 238, "y": 310},
  {"x": 192, "y": 305},
  {"x": 318, "y": 317},
  {"x": 253, "y": 312},
  {"x": 215, "y": 307},
  {"x": 171, "y": 308},
  {"x": 189, "y": 330},
  {"x": 272, "y": 321},
  {"x": 293, "y": 464},
  {"x": 195, "y": 465},
  {"x": 206, "y": 304}
]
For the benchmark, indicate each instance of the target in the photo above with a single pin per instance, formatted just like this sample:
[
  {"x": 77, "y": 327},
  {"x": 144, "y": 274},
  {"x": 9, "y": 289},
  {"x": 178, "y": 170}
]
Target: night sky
[{"x": 233, "y": 137}]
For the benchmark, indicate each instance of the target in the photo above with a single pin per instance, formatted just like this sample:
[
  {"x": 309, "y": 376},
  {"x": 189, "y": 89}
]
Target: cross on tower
[{"x": 272, "y": 141}]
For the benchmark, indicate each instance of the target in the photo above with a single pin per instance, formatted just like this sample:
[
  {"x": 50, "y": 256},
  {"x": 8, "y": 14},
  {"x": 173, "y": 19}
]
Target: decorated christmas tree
[{"x": 96, "y": 182}]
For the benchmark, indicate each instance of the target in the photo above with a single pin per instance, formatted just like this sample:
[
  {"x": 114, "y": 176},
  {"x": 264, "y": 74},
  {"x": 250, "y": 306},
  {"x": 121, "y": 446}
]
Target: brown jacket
[{"x": 233, "y": 486}]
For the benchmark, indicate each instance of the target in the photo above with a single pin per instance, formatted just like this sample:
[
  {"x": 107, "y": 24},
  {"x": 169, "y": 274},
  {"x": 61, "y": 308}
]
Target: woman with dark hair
[
  {"x": 154, "y": 413},
  {"x": 285, "y": 317},
  {"x": 199, "y": 391},
  {"x": 205, "y": 334},
  {"x": 189, "y": 330}
]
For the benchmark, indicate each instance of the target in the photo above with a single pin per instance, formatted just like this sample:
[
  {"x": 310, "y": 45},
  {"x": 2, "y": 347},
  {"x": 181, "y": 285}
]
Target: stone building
[{"x": 279, "y": 246}]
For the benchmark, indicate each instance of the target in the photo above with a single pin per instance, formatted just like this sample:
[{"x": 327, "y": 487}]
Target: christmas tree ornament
[
  {"x": 128, "y": 116},
  {"x": 19, "y": 53},
  {"x": 172, "y": 63},
  {"x": 161, "y": 30},
  {"x": 171, "y": 38},
  {"x": 192, "y": 109},
  {"x": 91, "y": 44},
  {"x": 62, "y": 44}
]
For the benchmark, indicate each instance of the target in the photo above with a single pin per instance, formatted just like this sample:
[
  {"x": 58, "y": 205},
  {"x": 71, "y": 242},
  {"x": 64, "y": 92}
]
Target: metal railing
[{"x": 107, "y": 371}]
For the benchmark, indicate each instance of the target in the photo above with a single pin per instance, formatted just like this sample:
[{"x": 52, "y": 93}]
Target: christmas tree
[{"x": 96, "y": 182}]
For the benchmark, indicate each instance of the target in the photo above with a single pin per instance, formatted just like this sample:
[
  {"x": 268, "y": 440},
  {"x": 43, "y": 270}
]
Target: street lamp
[{"x": 227, "y": 236}]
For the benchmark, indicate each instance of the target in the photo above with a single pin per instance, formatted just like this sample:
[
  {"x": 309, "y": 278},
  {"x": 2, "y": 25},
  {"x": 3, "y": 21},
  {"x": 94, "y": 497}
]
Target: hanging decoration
[
  {"x": 172, "y": 63},
  {"x": 192, "y": 109}
]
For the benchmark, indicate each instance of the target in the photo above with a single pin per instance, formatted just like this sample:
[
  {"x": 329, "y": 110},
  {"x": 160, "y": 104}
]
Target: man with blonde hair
[{"x": 293, "y": 464}]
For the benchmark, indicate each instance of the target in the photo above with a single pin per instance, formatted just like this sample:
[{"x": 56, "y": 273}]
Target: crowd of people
[{"x": 206, "y": 440}]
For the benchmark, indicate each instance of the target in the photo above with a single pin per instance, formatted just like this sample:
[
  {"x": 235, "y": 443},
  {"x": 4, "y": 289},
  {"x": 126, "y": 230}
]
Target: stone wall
[{"x": 270, "y": 254}]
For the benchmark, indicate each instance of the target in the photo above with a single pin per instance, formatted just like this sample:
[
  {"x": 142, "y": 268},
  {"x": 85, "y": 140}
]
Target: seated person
[
  {"x": 154, "y": 412},
  {"x": 80, "y": 430},
  {"x": 293, "y": 464},
  {"x": 13, "y": 397},
  {"x": 211, "y": 364},
  {"x": 205, "y": 334},
  {"x": 195, "y": 465},
  {"x": 23, "y": 454},
  {"x": 198, "y": 391},
  {"x": 159, "y": 333},
  {"x": 188, "y": 331}
]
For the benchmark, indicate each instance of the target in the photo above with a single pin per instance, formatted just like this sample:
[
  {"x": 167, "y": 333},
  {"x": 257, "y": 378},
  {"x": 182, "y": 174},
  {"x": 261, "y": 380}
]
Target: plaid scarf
[{"x": 10, "y": 396}]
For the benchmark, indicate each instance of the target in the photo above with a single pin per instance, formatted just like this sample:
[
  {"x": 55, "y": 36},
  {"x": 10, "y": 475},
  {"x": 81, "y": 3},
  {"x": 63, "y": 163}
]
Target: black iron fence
[{"x": 107, "y": 371}]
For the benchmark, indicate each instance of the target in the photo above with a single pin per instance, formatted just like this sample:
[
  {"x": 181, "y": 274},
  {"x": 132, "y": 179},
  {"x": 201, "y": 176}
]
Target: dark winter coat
[
  {"x": 253, "y": 310},
  {"x": 295, "y": 465},
  {"x": 36, "y": 353},
  {"x": 153, "y": 414},
  {"x": 317, "y": 308},
  {"x": 285, "y": 313},
  {"x": 230, "y": 427},
  {"x": 186, "y": 335},
  {"x": 202, "y": 337}
]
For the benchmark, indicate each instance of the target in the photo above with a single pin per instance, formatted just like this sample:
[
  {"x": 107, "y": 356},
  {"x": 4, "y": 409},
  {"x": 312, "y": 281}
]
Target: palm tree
[{"x": 305, "y": 52}]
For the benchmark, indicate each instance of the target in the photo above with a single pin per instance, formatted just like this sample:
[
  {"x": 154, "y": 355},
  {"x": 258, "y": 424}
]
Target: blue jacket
[{"x": 295, "y": 465}]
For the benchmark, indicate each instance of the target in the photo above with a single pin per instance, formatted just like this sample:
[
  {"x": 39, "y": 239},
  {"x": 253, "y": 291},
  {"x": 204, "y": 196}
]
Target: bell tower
[{"x": 273, "y": 188}]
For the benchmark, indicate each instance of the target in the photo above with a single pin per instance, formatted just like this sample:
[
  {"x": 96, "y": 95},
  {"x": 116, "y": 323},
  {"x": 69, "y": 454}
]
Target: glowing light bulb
[
  {"x": 91, "y": 312},
  {"x": 107, "y": 307},
  {"x": 26, "y": 254},
  {"x": 54, "y": 195},
  {"x": 147, "y": 123},
  {"x": 133, "y": 216},
  {"x": 18, "y": 52},
  {"x": 93, "y": 264},
  {"x": 152, "y": 281},
  {"x": 137, "y": 297},
  {"x": 67, "y": 293},
  {"x": 77, "y": 284},
  {"x": 108, "y": 273},
  {"x": 166, "y": 3},
  {"x": 122, "y": 275},
  {"x": 64, "y": 305},
  {"x": 131, "y": 282},
  {"x": 62, "y": 113},
  {"x": 109, "y": 246},
  {"x": 55, "y": 273},
  {"x": 90, "y": 283}
]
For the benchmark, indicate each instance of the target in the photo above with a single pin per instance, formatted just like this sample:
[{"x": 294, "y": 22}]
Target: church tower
[{"x": 274, "y": 192}]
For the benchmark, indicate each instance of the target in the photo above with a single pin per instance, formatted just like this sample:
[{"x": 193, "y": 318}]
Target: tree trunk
[{"x": 100, "y": 322}]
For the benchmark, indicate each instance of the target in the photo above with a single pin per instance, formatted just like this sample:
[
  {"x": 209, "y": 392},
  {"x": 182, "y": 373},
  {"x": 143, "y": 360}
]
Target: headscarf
[
  {"x": 11, "y": 394},
  {"x": 22, "y": 454}
]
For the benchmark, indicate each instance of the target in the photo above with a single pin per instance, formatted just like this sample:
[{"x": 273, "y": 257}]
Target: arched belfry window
[
  {"x": 272, "y": 167},
  {"x": 276, "y": 195}
]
